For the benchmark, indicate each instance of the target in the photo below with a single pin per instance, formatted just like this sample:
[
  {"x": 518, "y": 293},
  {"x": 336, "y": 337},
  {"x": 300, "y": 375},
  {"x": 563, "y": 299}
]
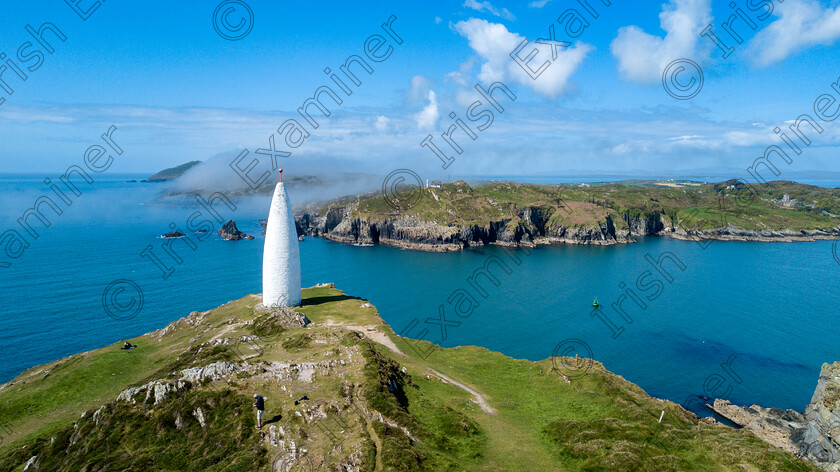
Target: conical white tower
[{"x": 281, "y": 256}]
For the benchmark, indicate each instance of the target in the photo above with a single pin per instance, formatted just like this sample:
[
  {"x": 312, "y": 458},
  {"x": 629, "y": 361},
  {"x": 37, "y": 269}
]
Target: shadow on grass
[
  {"x": 321, "y": 300},
  {"x": 275, "y": 419}
]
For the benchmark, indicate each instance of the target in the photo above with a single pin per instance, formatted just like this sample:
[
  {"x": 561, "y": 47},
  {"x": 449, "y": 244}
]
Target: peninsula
[{"x": 454, "y": 216}]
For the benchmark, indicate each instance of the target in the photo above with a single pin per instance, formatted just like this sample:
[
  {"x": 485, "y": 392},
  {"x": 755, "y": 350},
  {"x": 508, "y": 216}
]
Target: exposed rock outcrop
[
  {"x": 199, "y": 415},
  {"x": 173, "y": 235},
  {"x": 283, "y": 316},
  {"x": 31, "y": 464},
  {"x": 157, "y": 390},
  {"x": 813, "y": 435},
  {"x": 530, "y": 226},
  {"x": 229, "y": 232},
  {"x": 733, "y": 233}
]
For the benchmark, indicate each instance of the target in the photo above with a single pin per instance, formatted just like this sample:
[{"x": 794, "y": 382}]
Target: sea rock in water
[
  {"x": 229, "y": 232},
  {"x": 173, "y": 235}
]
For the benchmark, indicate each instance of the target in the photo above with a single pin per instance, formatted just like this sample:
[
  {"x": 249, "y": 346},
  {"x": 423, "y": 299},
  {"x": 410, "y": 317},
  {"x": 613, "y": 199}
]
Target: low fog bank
[
  {"x": 305, "y": 182},
  {"x": 95, "y": 205}
]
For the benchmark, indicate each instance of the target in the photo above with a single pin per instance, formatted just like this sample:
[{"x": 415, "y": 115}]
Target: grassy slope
[
  {"x": 595, "y": 422},
  {"x": 460, "y": 204}
]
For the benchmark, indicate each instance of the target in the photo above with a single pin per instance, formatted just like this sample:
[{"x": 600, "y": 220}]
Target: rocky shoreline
[
  {"x": 813, "y": 435},
  {"x": 529, "y": 229},
  {"x": 733, "y": 233}
]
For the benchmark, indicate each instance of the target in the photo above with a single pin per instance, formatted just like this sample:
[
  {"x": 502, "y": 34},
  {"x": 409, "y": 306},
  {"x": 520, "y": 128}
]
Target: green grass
[
  {"x": 130, "y": 438},
  {"x": 297, "y": 343},
  {"x": 688, "y": 205},
  {"x": 595, "y": 422}
]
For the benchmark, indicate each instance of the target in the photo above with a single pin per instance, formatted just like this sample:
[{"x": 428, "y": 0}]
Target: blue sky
[{"x": 177, "y": 91}]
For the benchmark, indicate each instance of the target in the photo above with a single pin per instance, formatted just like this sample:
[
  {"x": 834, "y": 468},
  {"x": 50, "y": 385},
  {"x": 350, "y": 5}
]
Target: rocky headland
[
  {"x": 458, "y": 216},
  {"x": 344, "y": 393}
]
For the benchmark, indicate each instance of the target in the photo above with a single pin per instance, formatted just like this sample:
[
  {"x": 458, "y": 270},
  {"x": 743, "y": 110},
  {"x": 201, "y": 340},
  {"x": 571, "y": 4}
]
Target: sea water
[{"x": 747, "y": 321}]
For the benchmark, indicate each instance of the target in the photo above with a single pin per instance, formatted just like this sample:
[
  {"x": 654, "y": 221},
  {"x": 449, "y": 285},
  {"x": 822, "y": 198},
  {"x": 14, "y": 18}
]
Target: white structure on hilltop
[{"x": 281, "y": 257}]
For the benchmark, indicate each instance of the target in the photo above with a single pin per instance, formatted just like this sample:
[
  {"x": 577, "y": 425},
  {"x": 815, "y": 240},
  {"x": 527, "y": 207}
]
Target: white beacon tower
[{"x": 281, "y": 256}]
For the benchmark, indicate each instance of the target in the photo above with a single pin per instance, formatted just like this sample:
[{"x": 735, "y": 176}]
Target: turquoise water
[{"x": 751, "y": 322}]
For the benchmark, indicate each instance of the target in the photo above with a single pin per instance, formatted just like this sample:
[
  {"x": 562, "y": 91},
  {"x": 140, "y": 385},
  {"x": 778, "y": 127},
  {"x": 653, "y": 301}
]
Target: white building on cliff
[{"x": 281, "y": 256}]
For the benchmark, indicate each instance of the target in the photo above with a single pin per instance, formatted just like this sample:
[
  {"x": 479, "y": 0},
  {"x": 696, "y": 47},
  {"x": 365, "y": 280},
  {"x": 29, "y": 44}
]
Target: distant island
[
  {"x": 454, "y": 216},
  {"x": 344, "y": 392},
  {"x": 173, "y": 172}
]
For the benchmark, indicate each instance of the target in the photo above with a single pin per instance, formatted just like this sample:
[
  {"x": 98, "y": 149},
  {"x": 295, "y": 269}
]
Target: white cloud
[
  {"x": 750, "y": 137},
  {"x": 642, "y": 57},
  {"x": 659, "y": 139},
  {"x": 538, "y": 3},
  {"x": 419, "y": 88},
  {"x": 494, "y": 43},
  {"x": 428, "y": 117},
  {"x": 719, "y": 137},
  {"x": 801, "y": 24},
  {"x": 482, "y": 6},
  {"x": 14, "y": 114},
  {"x": 462, "y": 75},
  {"x": 457, "y": 78},
  {"x": 438, "y": 20},
  {"x": 465, "y": 97},
  {"x": 382, "y": 122}
]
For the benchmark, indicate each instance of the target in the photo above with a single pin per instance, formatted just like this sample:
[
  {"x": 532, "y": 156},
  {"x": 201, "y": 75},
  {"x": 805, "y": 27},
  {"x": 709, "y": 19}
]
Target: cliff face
[
  {"x": 532, "y": 225},
  {"x": 733, "y": 233},
  {"x": 813, "y": 435}
]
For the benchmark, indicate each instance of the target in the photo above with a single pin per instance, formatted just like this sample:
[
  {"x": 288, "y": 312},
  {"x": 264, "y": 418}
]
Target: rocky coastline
[
  {"x": 530, "y": 228},
  {"x": 813, "y": 435}
]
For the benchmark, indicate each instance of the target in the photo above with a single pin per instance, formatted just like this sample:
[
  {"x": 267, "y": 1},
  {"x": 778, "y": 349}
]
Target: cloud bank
[
  {"x": 642, "y": 57},
  {"x": 800, "y": 25},
  {"x": 493, "y": 43}
]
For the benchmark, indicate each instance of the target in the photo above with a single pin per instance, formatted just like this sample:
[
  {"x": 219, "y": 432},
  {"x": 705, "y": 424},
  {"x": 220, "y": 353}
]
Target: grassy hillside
[
  {"x": 371, "y": 403},
  {"x": 696, "y": 205}
]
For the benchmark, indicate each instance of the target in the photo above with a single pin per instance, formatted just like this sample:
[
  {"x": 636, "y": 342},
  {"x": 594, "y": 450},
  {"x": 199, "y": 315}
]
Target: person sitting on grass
[
  {"x": 259, "y": 404},
  {"x": 127, "y": 346}
]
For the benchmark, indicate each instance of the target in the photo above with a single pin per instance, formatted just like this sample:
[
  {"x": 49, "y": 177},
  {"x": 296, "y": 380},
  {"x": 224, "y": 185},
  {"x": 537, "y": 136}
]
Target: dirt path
[
  {"x": 377, "y": 443},
  {"x": 479, "y": 398},
  {"x": 378, "y": 336},
  {"x": 373, "y": 333}
]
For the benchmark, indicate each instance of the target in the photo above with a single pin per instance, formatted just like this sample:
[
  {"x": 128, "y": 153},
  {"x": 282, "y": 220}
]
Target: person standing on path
[{"x": 259, "y": 404}]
